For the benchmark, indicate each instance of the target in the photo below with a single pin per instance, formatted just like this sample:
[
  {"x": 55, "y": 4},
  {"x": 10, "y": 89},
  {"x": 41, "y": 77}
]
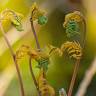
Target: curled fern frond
[
  {"x": 43, "y": 60},
  {"x": 73, "y": 49},
  {"x": 71, "y": 23},
  {"x": 41, "y": 57},
  {"x": 13, "y": 17},
  {"x": 42, "y": 20},
  {"x": 75, "y": 16},
  {"x": 22, "y": 52},
  {"x": 44, "y": 87},
  {"x": 36, "y": 12}
]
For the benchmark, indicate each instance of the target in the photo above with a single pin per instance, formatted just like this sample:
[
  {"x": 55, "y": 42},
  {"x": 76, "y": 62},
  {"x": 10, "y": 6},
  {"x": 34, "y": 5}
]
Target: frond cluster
[
  {"x": 73, "y": 49},
  {"x": 41, "y": 57},
  {"x": 36, "y": 11},
  {"x": 71, "y": 23},
  {"x": 74, "y": 16}
]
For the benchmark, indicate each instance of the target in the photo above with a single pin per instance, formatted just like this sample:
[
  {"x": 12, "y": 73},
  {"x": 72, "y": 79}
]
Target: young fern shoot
[
  {"x": 43, "y": 61},
  {"x": 37, "y": 14},
  {"x": 73, "y": 48},
  {"x": 75, "y": 18},
  {"x": 15, "y": 19},
  {"x": 42, "y": 58}
]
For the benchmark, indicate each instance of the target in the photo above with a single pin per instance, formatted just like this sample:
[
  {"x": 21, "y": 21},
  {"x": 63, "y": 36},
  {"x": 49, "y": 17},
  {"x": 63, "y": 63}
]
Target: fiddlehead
[
  {"x": 12, "y": 17},
  {"x": 76, "y": 19},
  {"x": 45, "y": 88},
  {"x": 43, "y": 60},
  {"x": 22, "y": 52},
  {"x": 38, "y": 14},
  {"x": 41, "y": 57},
  {"x": 71, "y": 23},
  {"x": 73, "y": 49}
]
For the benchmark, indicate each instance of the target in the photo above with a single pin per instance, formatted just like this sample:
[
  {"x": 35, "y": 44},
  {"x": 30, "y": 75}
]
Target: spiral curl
[{"x": 73, "y": 49}]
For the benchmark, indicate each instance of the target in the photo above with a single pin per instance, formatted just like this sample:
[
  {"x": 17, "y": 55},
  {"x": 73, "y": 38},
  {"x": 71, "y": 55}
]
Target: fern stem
[
  {"x": 77, "y": 63},
  {"x": 73, "y": 77},
  {"x": 34, "y": 33},
  {"x": 14, "y": 59},
  {"x": 38, "y": 47},
  {"x": 33, "y": 76}
]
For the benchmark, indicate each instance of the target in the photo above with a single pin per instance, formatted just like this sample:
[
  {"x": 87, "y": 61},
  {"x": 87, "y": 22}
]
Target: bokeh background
[{"x": 60, "y": 69}]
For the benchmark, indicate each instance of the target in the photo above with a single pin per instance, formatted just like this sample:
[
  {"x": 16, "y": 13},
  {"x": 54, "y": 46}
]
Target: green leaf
[
  {"x": 72, "y": 28},
  {"x": 43, "y": 63},
  {"x": 42, "y": 20},
  {"x": 16, "y": 21},
  {"x": 13, "y": 17},
  {"x": 19, "y": 28}
]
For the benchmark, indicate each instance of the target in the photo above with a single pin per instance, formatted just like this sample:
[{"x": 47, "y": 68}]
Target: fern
[
  {"x": 71, "y": 23},
  {"x": 12, "y": 17},
  {"x": 45, "y": 88},
  {"x": 72, "y": 28},
  {"x": 22, "y": 52},
  {"x": 41, "y": 57},
  {"x": 38, "y": 14},
  {"x": 73, "y": 49}
]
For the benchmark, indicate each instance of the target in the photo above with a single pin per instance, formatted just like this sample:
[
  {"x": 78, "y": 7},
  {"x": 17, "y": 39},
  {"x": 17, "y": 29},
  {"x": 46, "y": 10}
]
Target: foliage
[
  {"x": 42, "y": 20},
  {"x": 41, "y": 57},
  {"x": 73, "y": 49},
  {"x": 36, "y": 11},
  {"x": 12, "y": 17},
  {"x": 45, "y": 88},
  {"x": 72, "y": 28},
  {"x": 71, "y": 23}
]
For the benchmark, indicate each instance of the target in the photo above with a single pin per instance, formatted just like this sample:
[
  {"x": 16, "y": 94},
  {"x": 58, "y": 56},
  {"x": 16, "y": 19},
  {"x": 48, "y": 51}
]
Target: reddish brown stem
[
  {"x": 34, "y": 33},
  {"x": 14, "y": 59},
  {"x": 38, "y": 47},
  {"x": 33, "y": 76},
  {"x": 77, "y": 63},
  {"x": 73, "y": 78}
]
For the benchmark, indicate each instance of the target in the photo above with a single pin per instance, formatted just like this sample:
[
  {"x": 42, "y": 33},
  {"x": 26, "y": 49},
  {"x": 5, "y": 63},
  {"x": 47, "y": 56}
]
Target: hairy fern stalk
[
  {"x": 78, "y": 18},
  {"x": 15, "y": 19}
]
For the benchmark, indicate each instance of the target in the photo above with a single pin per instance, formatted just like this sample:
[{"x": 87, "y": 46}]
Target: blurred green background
[{"x": 60, "y": 69}]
